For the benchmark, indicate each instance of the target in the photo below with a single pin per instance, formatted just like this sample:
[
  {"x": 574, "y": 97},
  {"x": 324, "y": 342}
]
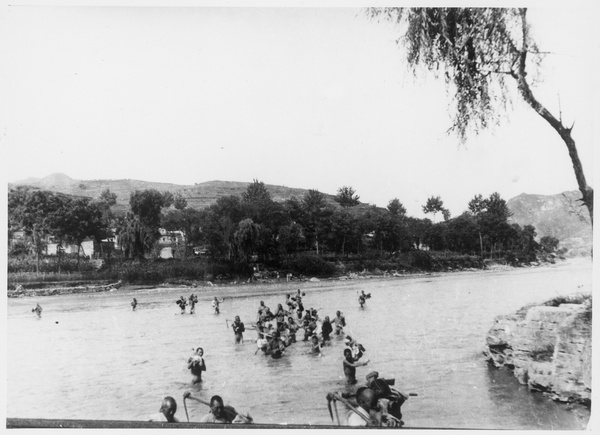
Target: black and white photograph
[{"x": 310, "y": 215}]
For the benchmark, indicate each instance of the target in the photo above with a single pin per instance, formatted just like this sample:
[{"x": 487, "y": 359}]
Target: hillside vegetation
[{"x": 560, "y": 216}]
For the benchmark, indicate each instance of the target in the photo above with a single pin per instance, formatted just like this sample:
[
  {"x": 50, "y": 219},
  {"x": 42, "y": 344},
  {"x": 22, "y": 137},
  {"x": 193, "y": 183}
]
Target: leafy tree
[
  {"x": 290, "y": 238},
  {"x": 477, "y": 206},
  {"x": 220, "y": 222},
  {"x": 478, "y": 50},
  {"x": 315, "y": 215},
  {"x": 246, "y": 238},
  {"x": 494, "y": 221},
  {"x": 76, "y": 220},
  {"x": 269, "y": 215},
  {"x": 416, "y": 231},
  {"x": 107, "y": 198},
  {"x": 346, "y": 197},
  {"x": 434, "y": 205},
  {"x": 342, "y": 230},
  {"x": 256, "y": 192},
  {"x": 527, "y": 239},
  {"x": 32, "y": 211},
  {"x": 549, "y": 243},
  {"x": 136, "y": 238},
  {"x": 179, "y": 201},
  {"x": 462, "y": 234},
  {"x": 187, "y": 220},
  {"x": 396, "y": 208},
  {"x": 142, "y": 223},
  {"x": 396, "y": 227}
]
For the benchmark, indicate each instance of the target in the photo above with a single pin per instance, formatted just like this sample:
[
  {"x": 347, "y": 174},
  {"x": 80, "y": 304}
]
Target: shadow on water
[{"x": 534, "y": 408}]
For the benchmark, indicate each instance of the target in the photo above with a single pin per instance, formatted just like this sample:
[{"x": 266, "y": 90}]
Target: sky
[{"x": 306, "y": 97}]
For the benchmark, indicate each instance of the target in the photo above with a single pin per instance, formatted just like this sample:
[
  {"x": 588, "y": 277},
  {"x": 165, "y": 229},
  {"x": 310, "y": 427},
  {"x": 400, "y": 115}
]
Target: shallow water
[{"x": 91, "y": 357}]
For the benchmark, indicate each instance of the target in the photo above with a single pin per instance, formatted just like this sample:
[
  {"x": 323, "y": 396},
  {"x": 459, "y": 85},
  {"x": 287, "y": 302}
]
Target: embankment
[{"x": 549, "y": 348}]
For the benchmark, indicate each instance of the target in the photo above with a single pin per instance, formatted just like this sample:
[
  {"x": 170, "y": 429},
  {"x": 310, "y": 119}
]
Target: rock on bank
[{"x": 549, "y": 348}]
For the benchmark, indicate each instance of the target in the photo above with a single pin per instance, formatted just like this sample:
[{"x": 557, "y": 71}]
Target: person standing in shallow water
[
  {"x": 238, "y": 329},
  {"x": 193, "y": 301},
  {"x": 196, "y": 365},
  {"x": 326, "y": 330},
  {"x": 134, "y": 304},
  {"x": 340, "y": 321},
  {"x": 37, "y": 310},
  {"x": 216, "y": 303},
  {"x": 350, "y": 365},
  {"x": 182, "y": 304}
]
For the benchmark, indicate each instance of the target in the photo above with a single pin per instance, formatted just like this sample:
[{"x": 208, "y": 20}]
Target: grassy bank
[{"x": 195, "y": 270}]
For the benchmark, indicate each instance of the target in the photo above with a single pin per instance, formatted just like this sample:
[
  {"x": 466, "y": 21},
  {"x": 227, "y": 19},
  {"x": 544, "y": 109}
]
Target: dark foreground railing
[{"x": 43, "y": 423}]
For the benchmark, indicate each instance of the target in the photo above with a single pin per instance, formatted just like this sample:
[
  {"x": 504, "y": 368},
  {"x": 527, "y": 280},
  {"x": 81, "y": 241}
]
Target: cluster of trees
[
  {"x": 254, "y": 227},
  {"x": 69, "y": 220}
]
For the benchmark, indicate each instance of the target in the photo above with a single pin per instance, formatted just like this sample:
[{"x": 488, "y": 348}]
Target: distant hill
[
  {"x": 561, "y": 216},
  {"x": 198, "y": 196}
]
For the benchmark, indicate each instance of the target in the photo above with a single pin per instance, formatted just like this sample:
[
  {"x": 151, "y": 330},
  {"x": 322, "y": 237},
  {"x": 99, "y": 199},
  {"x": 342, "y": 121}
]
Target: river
[{"x": 91, "y": 357}]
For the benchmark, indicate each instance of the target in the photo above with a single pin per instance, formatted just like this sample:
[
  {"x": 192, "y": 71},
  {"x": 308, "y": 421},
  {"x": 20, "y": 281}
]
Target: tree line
[{"x": 252, "y": 227}]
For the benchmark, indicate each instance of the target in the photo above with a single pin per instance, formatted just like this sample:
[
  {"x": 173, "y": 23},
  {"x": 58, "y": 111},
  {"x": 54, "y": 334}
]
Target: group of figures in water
[{"x": 374, "y": 404}]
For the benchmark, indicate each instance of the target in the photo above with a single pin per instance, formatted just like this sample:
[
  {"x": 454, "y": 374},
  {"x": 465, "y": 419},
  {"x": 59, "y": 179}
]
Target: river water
[{"x": 91, "y": 357}]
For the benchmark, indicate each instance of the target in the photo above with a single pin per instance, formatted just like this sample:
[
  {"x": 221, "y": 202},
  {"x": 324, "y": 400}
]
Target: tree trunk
[
  {"x": 587, "y": 193},
  {"x": 481, "y": 244}
]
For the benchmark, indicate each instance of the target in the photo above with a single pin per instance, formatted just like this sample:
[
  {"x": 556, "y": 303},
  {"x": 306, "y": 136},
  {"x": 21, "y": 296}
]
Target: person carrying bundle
[
  {"x": 182, "y": 304},
  {"x": 362, "y": 298},
  {"x": 37, "y": 310},
  {"x": 196, "y": 365}
]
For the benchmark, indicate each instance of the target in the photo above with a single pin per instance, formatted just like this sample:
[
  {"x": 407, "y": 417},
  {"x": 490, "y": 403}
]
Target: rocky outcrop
[{"x": 548, "y": 348}]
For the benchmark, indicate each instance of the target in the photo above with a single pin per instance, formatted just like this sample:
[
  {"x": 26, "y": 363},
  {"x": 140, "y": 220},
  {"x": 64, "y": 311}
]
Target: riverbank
[{"x": 242, "y": 288}]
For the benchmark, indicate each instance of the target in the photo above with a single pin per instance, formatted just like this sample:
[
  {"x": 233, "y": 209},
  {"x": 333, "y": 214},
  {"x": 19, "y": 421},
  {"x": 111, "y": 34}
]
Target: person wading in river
[
  {"x": 134, "y": 304},
  {"x": 340, "y": 322},
  {"x": 362, "y": 298},
  {"x": 182, "y": 304},
  {"x": 350, "y": 365},
  {"x": 326, "y": 330},
  {"x": 37, "y": 310},
  {"x": 193, "y": 301},
  {"x": 215, "y": 304},
  {"x": 196, "y": 365},
  {"x": 238, "y": 329}
]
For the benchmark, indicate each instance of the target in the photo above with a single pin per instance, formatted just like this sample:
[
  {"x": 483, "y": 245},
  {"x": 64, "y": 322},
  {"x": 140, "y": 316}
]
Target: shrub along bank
[{"x": 302, "y": 266}]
